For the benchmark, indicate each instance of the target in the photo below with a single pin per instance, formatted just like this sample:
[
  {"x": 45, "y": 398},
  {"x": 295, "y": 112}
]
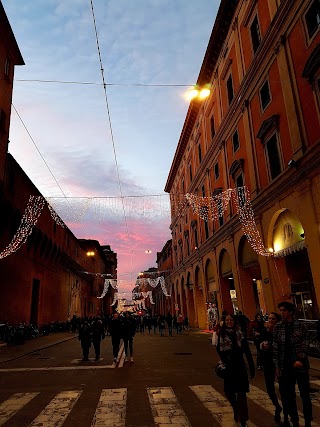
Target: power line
[
  {"x": 67, "y": 82},
  {"x": 36, "y": 146},
  {"x": 111, "y": 130}
]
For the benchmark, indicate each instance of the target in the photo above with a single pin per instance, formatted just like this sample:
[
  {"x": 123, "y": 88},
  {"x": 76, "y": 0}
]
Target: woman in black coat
[{"x": 231, "y": 347}]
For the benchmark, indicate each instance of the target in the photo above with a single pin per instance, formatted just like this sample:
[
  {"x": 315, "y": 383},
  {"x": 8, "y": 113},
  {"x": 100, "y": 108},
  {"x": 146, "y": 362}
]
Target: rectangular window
[
  {"x": 212, "y": 127},
  {"x": 255, "y": 34},
  {"x": 273, "y": 155},
  {"x": 265, "y": 96},
  {"x": 312, "y": 18},
  {"x": 216, "y": 170},
  {"x": 190, "y": 172},
  {"x": 230, "y": 89},
  {"x": 235, "y": 141}
]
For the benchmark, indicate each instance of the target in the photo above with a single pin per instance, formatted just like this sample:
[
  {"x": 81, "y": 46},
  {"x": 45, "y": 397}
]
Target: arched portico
[
  {"x": 190, "y": 300},
  {"x": 287, "y": 240},
  {"x": 200, "y": 299}
]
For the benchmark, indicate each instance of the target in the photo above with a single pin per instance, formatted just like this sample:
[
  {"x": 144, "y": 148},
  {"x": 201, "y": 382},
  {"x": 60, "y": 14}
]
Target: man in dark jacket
[
  {"x": 128, "y": 332},
  {"x": 290, "y": 356},
  {"x": 85, "y": 339},
  {"x": 115, "y": 332},
  {"x": 97, "y": 332}
]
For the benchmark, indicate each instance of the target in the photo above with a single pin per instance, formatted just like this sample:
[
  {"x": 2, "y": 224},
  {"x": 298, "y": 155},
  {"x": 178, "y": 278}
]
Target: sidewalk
[{"x": 12, "y": 352}]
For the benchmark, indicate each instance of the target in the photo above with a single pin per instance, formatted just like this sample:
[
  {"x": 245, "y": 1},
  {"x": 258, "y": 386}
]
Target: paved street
[{"x": 170, "y": 383}]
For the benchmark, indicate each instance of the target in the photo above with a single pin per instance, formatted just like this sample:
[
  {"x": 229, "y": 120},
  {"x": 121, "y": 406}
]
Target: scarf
[{"x": 226, "y": 343}]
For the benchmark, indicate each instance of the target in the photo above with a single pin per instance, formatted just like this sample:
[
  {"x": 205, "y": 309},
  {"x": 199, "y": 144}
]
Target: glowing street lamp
[
  {"x": 200, "y": 92},
  {"x": 90, "y": 253}
]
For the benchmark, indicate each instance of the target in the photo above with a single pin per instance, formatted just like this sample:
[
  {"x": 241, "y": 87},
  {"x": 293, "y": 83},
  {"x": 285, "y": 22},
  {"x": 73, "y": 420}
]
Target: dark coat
[
  {"x": 115, "y": 328},
  {"x": 97, "y": 331},
  {"x": 265, "y": 355},
  {"x": 128, "y": 327},
  {"x": 237, "y": 378},
  {"x": 85, "y": 335}
]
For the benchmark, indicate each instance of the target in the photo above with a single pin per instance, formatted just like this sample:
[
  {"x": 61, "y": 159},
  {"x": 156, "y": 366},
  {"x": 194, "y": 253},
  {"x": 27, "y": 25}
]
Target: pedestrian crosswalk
[{"x": 165, "y": 408}]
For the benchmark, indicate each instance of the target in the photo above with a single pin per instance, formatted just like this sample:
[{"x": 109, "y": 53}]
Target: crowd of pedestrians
[
  {"x": 282, "y": 354},
  {"x": 122, "y": 326}
]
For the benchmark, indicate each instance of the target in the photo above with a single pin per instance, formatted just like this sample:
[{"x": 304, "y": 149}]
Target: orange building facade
[
  {"x": 50, "y": 277},
  {"x": 258, "y": 129}
]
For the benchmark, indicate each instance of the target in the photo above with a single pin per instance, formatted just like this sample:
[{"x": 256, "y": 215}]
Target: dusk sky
[{"x": 65, "y": 136}]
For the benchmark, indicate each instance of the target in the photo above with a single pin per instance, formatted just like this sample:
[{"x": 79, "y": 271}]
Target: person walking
[
  {"x": 243, "y": 323},
  {"x": 169, "y": 320},
  {"x": 269, "y": 369},
  {"x": 155, "y": 323},
  {"x": 162, "y": 324},
  {"x": 231, "y": 346},
  {"x": 186, "y": 323},
  {"x": 257, "y": 326},
  {"x": 97, "y": 333},
  {"x": 115, "y": 332},
  {"x": 85, "y": 339},
  {"x": 290, "y": 356},
  {"x": 180, "y": 323},
  {"x": 128, "y": 333}
]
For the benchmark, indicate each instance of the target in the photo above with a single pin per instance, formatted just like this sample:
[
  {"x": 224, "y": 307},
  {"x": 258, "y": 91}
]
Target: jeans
[
  {"x": 269, "y": 372},
  {"x": 126, "y": 341},
  {"x": 115, "y": 346},
  {"x": 287, "y": 383},
  {"x": 240, "y": 406}
]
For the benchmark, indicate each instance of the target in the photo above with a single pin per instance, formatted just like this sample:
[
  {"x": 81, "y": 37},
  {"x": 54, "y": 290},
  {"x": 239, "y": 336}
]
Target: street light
[
  {"x": 199, "y": 92},
  {"x": 90, "y": 253}
]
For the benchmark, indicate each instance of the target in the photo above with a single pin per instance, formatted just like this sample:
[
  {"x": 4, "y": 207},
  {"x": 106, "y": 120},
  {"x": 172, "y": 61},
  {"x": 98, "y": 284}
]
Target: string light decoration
[
  {"x": 241, "y": 198},
  {"x": 115, "y": 299},
  {"x": 146, "y": 295},
  {"x": 55, "y": 216},
  {"x": 163, "y": 286},
  {"x": 212, "y": 208},
  {"x": 107, "y": 282},
  {"x": 28, "y": 221}
]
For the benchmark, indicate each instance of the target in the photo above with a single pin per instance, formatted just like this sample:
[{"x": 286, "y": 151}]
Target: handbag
[{"x": 221, "y": 370}]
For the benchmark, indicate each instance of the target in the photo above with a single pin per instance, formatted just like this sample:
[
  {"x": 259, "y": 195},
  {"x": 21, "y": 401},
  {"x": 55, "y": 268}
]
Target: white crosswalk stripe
[
  {"x": 55, "y": 413},
  {"x": 166, "y": 409},
  {"x": 14, "y": 404},
  {"x": 217, "y": 404},
  {"x": 111, "y": 409}
]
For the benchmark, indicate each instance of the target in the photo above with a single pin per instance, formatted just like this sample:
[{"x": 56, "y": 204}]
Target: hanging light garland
[
  {"x": 241, "y": 197},
  {"x": 115, "y": 299},
  {"x": 212, "y": 208},
  {"x": 28, "y": 221},
  {"x": 146, "y": 295},
  {"x": 163, "y": 286},
  {"x": 107, "y": 282}
]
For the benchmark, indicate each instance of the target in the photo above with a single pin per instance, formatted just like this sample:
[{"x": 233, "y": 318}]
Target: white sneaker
[
  {"x": 115, "y": 360},
  {"x": 126, "y": 359},
  {"x": 131, "y": 359}
]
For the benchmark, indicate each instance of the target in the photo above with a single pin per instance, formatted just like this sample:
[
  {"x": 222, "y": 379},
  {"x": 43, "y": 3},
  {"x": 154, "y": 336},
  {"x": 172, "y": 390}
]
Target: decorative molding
[
  {"x": 249, "y": 12},
  {"x": 268, "y": 125},
  {"x": 226, "y": 68},
  {"x": 236, "y": 166},
  {"x": 312, "y": 65},
  {"x": 279, "y": 44}
]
